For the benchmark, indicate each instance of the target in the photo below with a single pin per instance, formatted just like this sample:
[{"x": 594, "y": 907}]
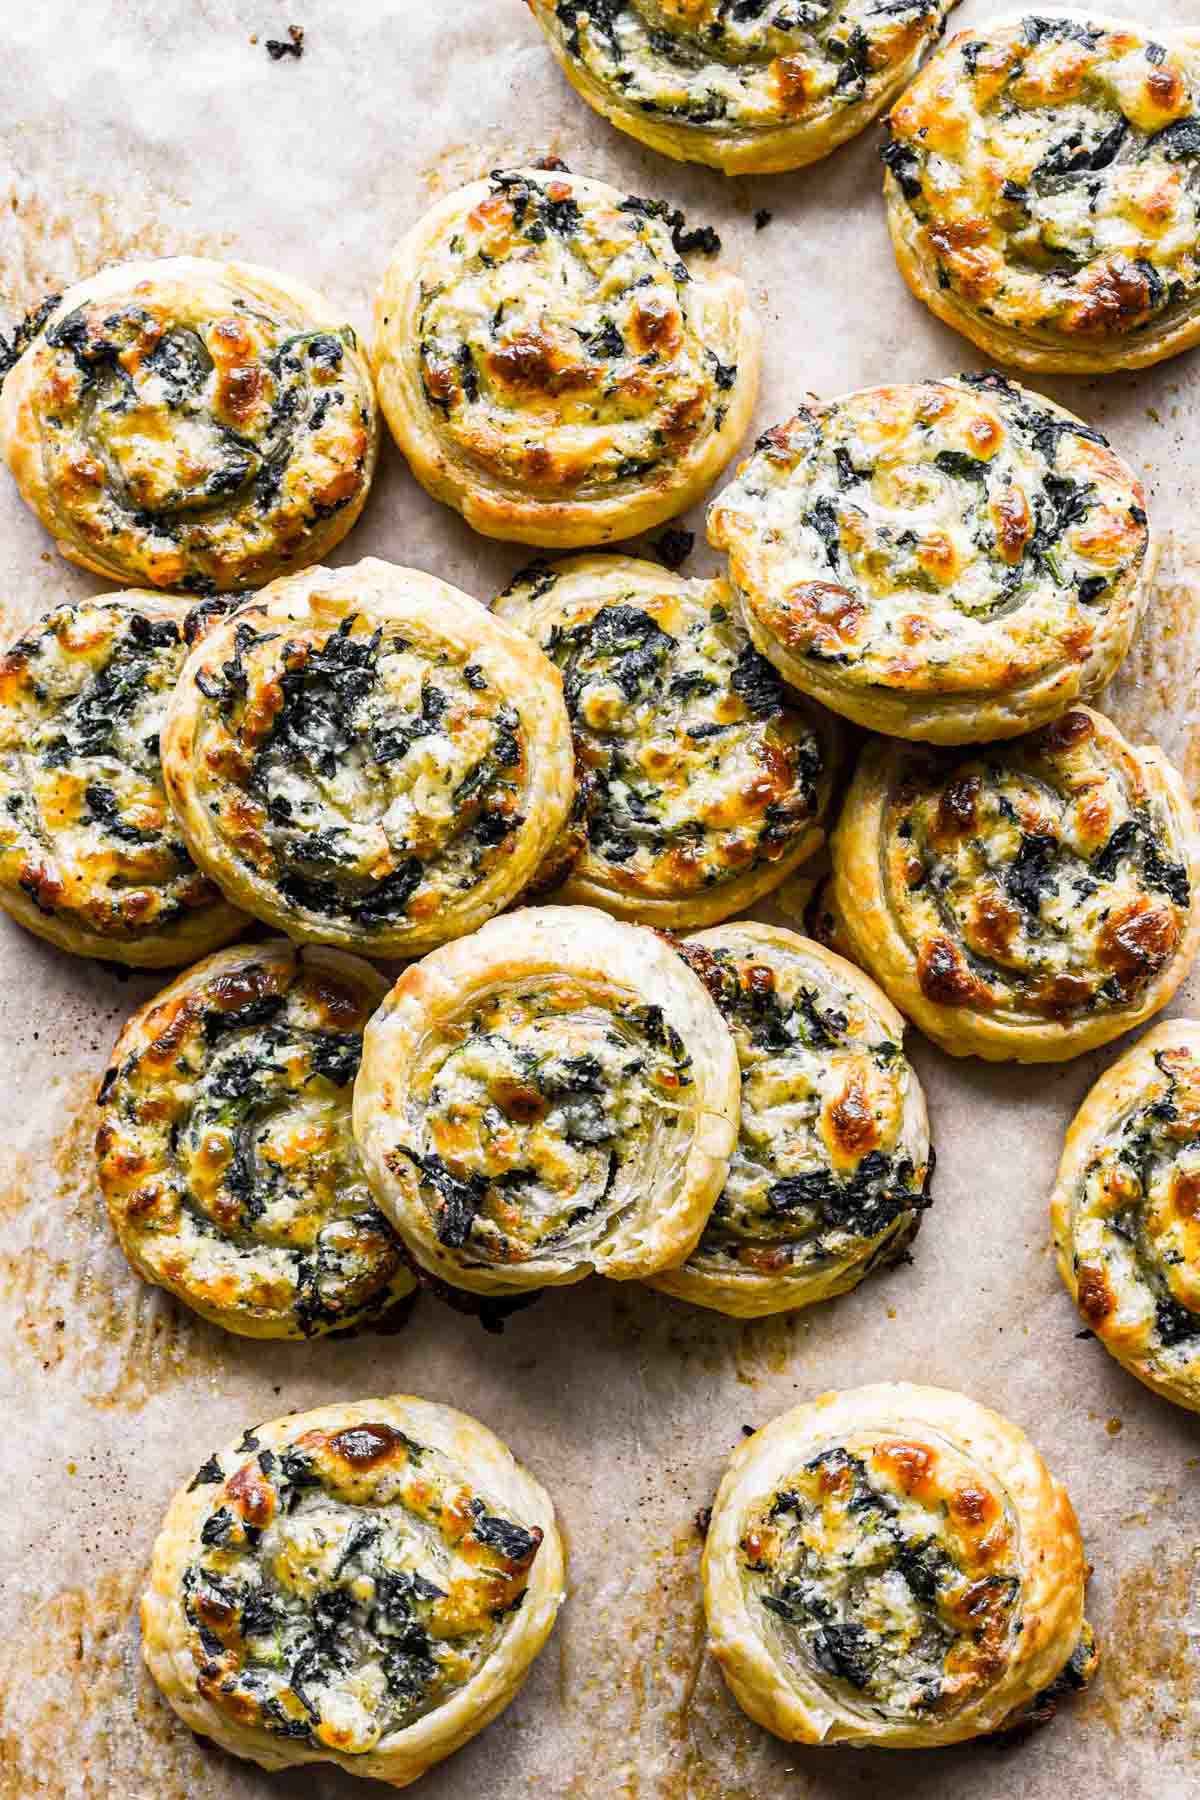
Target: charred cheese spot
[
  {"x": 891, "y": 1569},
  {"x": 739, "y": 86},
  {"x": 343, "y": 1585},
  {"x": 1054, "y": 873},
  {"x": 85, "y": 833},
  {"x": 1130, "y": 1214},
  {"x": 833, "y": 1165},
  {"x": 1066, "y": 208},
  {"x": 997, "y": 531},
  {"x": 225, "y": 1149},
  {"x": 199, "y": 428}
]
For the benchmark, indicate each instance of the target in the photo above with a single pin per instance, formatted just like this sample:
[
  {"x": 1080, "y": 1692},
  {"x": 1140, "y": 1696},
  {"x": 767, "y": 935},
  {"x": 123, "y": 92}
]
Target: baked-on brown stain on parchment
[
  {"x": 43, "y": 249},
  {"x": 1149, "y": 1686},
  {"x": 80, "y": 1716},
  {"x": 1155, "y": 698},
  {"x": 69, "y": 1302}
]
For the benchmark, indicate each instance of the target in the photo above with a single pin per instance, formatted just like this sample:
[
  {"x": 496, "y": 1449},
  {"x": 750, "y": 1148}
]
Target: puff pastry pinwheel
[
  {"x": 894, "y": 1566},
  {"x": 194, "y": 425},
  {"x": 1043, "y": 189},
  {"x": 1126, "y": 1211},
  {"x": 750, "y": 88},
  {"x": 551, "y": 367},
  {"x": 953, "y": 560},
  {"x": 553, "y": 1096},
  {"x": 365, "y": 757},
  {"x": 833, "y": 1162},
  {"x": 225, "y": 1151},
  {"x": 90, "y": 857},
  {"x": 704, "y": 781},
  {"x": 1025, "y": 900},
  {"x": 365, "y": 1585}
]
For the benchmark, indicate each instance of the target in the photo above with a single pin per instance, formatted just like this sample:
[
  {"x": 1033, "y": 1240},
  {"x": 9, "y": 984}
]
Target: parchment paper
[{"x": 159, "y": 126}]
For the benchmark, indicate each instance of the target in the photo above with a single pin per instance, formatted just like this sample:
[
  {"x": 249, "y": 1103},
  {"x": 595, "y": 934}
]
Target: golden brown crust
[
  {"x": 833, "y": 1164},
  {"x": 1126, "y": 1211},
  {"x": 192, "y": 424},
  {"x": 967, "y": 1601},
  {"x": 225, "y": 1151},
  {"x": 90, "y": 857},
  {"x": 1027, "y": 900},
  {"x": 554, "y": 1096},
  {"x": 704, "y": 782},
  {"x": 365, "y": 1585},
  {"x": 364, "y": 756},
  {"x": 551, "y": 367},
  {"x": 953, "y": 561},
  {"x": 1041, "y": 191},
  {"x": 737, "y": 87}
]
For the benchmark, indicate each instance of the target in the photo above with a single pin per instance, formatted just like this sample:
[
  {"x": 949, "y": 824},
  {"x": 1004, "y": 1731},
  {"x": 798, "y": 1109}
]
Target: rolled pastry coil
[
  {"x": 191, "y": 424},
  {"x": 556, "y": 1095},
  {"x": 895, "y": 1566},
  {"x": 365, "y": 1585}
]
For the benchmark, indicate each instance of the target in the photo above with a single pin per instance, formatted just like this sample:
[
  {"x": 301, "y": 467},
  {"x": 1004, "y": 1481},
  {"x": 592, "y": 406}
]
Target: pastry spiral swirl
[
  {"x": 1125, "y": 1210},
  {"x": 1024, "y": 900},
  {"x": 365, "y": 1585},
  {"x": 225, "y": 1150},
  {"x": 194, "y": 425},
  {"x": 704, "y": 780},
  {"x": 952, "y": 560},
  {"x": 894, "y": 1566},
  {"x": 365, "y": 757},
  {"x": 554, "y": 1096},
  {"x": 1043, "y": 190},
  {"x": 748, "y": 87},
  {"x": 833, "y": 1163},
  {"x": 90, "y": 857},
  {"x": 551, "y": 367}
]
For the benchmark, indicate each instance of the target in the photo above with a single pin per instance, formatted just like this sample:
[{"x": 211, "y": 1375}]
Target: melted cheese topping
[
  {"x": 1135, "y": 1223},
  {"x": 346, "y": 1585},
  {"x": 696, "y": 766},
  {"x": 225, "y": 1149},
  {"x": 889, "y": 1569},
  {"x": 740, "y": 69},
  {"x": 1046, "y": 876},
  {"x": 938, "y": 541},
  {"x": 1050, "y": 169},
  {"x": 833, "y": 1164},
  {"x": 195, "y": 436},
  {"x": 366, "y": 778},
  {"x": 563, "y": 348},
  {"x": 85, "y": 831},
  {"x": 542, "y": 1119}
]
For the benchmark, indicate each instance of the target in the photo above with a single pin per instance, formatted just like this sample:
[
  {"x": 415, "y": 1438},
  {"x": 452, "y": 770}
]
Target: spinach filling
[
  {"x": 846, "y": 1612},
  {"x": 629, "y": 817},
  {"x": 336, "y": 721}
]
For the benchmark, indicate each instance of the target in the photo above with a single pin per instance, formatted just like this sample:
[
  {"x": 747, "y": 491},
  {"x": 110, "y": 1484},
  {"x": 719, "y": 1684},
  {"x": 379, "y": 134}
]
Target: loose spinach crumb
[
  {"x": 674, "y": 546},
  {"x": 762, "y": 218},
  {"x": 293, "y": 45},
  {"x": 207, "y": 1475}
]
